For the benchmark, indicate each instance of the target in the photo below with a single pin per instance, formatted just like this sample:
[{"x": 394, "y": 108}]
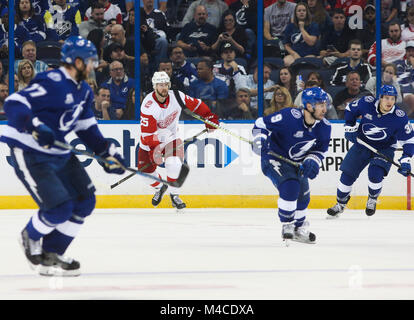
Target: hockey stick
[
  {"x": 148, "y": 164},
  {"x": 293, "y": 163},
  {"x": 196, "y": 116},
  {"x": 177, "y": 183},
  {"x": 362, "y": 142}
]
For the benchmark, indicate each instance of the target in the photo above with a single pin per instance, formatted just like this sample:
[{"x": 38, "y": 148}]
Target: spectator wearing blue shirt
[
  {"x": 184, "y": 71},
  {"x": 207, "y": 87},
  {"x": 20, "y": 36},
  {"x": 29, "y": 52},
  {"x": 197, "y": 37},
  {"x": 119, "y": 86},
  {"x": 301, "y": 36}
]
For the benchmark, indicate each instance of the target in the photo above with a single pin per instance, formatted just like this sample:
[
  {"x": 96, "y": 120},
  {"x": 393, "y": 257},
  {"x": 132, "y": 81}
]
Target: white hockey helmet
[{"x": 160, "y": 77}]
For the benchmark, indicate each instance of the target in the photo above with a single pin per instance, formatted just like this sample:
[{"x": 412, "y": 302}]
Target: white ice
[{"x": 220, "y": 254}]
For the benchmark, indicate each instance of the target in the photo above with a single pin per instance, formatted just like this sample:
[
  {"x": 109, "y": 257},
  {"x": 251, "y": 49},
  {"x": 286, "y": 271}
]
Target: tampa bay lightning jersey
[
  {"x": 289, "y": 136},
  {"x": 58, "y": 101},
  {"x": 380, "y": 130}
]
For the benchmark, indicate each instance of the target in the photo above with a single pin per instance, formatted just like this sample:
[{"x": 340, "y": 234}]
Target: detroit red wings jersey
[{"x": 159, "y": 121}]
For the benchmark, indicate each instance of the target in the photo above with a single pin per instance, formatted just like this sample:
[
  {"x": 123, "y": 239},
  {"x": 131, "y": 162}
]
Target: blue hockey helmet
[
  {"x": 388, "y": 90},
  {"x": 313, "y": 95},
  {"x": 78, "y": 47}
]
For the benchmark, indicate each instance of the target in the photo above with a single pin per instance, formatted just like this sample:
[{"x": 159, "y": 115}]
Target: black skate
[
  {"x": 32, "y": 249},
  {"x": 288, "y": 230},
  {"x": 177, "y": 202},
  {"x": 337, "y": 209},
  {"x": 56, "y": 265},
  {"x": 302, "y": 234},
  {"x": 371, "y": 206},
  {"x": 156, "y": 199}
]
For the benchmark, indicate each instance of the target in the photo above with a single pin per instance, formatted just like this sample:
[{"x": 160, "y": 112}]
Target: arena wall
[{"x": 224, "y": 173}]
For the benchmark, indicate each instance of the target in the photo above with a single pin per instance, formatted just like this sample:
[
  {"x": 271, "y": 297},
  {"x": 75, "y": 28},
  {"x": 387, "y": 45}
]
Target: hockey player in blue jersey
[
  {"x": 301, "y": 136},
  {"x": 382, "y": 125},
  {"x": 54, "y": 104}
]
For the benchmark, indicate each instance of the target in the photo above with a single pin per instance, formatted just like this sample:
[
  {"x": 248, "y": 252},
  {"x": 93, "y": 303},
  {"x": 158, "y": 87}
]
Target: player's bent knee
[
  {"x": 60, "y": 213},
  {"x": 84, "y": 208}
]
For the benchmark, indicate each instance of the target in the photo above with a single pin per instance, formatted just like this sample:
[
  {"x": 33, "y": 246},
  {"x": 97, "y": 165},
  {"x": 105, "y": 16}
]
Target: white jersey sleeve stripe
[
  {"x": 19, "y": 98},
  {"x": 85, "y": 124}
]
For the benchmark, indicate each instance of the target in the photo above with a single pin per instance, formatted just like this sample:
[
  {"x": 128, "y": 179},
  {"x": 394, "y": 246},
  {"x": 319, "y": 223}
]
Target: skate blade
[
  {"x": 304, "y": 241},
  {"x": 47, "y": 271},
  {"x": 329, "y": 217}
]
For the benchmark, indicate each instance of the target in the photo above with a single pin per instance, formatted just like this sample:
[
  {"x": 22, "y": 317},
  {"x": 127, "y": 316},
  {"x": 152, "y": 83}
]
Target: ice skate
[
  {"x": 335, "y": 211},
  {"x": 177, "y": 202},
  {"x": 156, "y": 199},
  {"x": 371, "y": 206},
  {"x": 288, "y": 230},
  {"x": 32, "y": 250},
  {"x": 56, "y": 265},
  {"x": 302, "y": 234}
]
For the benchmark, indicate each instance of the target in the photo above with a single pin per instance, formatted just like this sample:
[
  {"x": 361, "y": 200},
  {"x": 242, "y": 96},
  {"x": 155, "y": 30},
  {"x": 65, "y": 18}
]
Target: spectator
[
  {"x": 230, "y": 32},
  {"x": 118, "y": 36},
  {"x": 345, "y": 5},
  {"x": 276, "y": 18},
  {"x": 148, "y": 35},
  {"x": 119, "y": 85},
  {"x": 246, "y": 18},
  {"x": 405, "y": 75},
  {"x": 351, "y": 92},
  {"x": 166, "y": 65},
  {"x": 66, "y": 20},
  {"x": 392, "y": 48},
  {"x": 102, "y": 105},
  {"x": 20, "y": 36},
  {"x": 95, "y": 21},
  {"x": 4, "y": 93},
  {"x": 25, "y": 73},
  {"x": 354, "y": 62},
  {"x": 96, "y": 36},
  {"x": 301, "y": 36},
  {"x": 183, "y": 70},
  {"x": 408, "y": 33},
  {"x": 238, "y": 109},
  {"x": 228, "y": 68},
  {"x": 129, "y": 25},
  {"x": 215, "y": 9},
  {"x": 129, "y": 113},
  {"x": 3, "y": 74},
  {"x": 287, "y": 79},
  {"x": 207, "y": 87},
  {"x": 157, "y": 21},
  {"x": 389, "y": 11},
  {"x": 281, "y": 99},
  {"x": 117, "y": 52},
  {"x": 367, "y": 34},
  {"x": 40, "y": 27},
  {"x": 389, "y": 76},
  {"x": 29, "y": 52},
  {"x": 197, "y": 37},
  {"x": 250, "y": 82},
  {"x": 145, "y": 74},
  {"x": 335, "y": 41},
  {"x": 319, "y": 14},
  {"x": 112, "y": 11}
]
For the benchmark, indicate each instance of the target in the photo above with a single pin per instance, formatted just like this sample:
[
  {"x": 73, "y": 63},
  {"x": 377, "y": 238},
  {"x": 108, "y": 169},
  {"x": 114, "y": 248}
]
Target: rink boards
[{"x": 224, "y": 173}]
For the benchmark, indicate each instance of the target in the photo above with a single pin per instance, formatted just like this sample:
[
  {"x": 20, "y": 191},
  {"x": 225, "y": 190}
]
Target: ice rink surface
[{"x": 220, "y": 254}]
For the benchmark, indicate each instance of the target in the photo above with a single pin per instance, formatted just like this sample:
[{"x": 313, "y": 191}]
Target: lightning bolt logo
[
  {"x": 373, "y": 132},
  {"x": 299, "y": 150},
  {"x": 276, "y": 165}
]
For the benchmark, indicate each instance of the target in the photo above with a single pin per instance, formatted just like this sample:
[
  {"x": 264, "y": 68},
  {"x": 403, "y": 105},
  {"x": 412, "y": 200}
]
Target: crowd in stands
[{"x": 209, "y": 50}]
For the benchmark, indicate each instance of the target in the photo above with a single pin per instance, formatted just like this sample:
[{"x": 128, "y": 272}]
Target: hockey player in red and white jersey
[{"x": 160, "y": 113}]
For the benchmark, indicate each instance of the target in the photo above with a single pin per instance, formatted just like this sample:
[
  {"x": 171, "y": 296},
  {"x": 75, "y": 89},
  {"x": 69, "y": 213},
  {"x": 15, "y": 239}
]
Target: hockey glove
[
  {"x": 44, "y": 136},
  {"x": 405, "y": 168},
  {"x": 115, "y": 162},
  {"x": 310, "y": 167},
  {"x": 213, "y": 118},
  {"x": 351, "y": 133},
  {"x": 155, "y": 155},
  {"x": 257, "y": 144}
]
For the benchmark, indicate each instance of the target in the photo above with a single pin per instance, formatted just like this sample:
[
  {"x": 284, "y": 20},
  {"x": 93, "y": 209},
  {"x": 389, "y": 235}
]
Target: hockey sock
[
  {"x": 300, "y": 213},
  {"x": 375, "y": 177},
  {"x": 287, "y": 203},
  {"x": 60, "y": 239},
  {"x": 45, "y": 221},
  {"x": 344, "y": 188},
  {"x": 173, "y": 167}
]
